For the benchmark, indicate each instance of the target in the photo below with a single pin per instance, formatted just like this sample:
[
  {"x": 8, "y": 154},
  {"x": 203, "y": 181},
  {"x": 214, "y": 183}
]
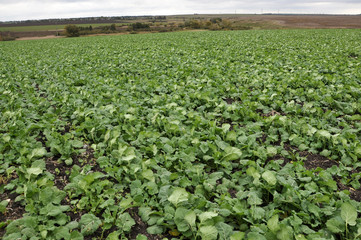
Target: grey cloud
[{"x": 37, "y": 9}]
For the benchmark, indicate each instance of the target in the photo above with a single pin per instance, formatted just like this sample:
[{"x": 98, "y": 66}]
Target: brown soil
[
  {"x": 355, "y": 194},
  {"x": 37, "y": 38},
  {"x": 229, "y": 100},
  {"x": 61, "y": 171},
  {"x": 314, "y": 161},
  {"x": 14, "y": 210},
  {"x": 140, "y": 227},
  {"x": 307, "y": 21},
  {"x": 269, "y": 114}
]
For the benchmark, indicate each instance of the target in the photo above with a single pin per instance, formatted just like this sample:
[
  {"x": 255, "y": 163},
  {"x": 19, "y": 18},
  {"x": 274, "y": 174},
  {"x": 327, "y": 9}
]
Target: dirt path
[{"x": 37, "y": 38}]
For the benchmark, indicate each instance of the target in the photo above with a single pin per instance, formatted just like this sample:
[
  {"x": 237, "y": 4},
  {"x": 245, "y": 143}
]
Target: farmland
[{"x": 188, "y": 135}]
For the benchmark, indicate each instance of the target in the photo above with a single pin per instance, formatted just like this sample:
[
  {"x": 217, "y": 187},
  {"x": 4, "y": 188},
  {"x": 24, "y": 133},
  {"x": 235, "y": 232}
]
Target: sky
[{"x": 11, "y": 10}]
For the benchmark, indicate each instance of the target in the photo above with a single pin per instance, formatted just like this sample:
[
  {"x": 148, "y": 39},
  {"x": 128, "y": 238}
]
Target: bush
[
  {"x": 7, "y": 38},
  {"x": 72, "y": 31},
  {"x": 138, "y": 25}
]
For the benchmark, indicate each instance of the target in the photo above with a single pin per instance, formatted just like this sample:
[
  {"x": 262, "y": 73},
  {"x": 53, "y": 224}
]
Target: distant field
[{"x": 46, "y": 27}]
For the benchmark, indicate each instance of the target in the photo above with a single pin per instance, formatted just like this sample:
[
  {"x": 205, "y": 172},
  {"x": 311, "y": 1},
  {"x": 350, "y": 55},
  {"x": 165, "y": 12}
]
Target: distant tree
[
  {"x": 72, "y": 31},
  {"x": 139, "y": 25},
  {"x": 113, "y": 27},
  {"x": 216, "y": 20}
]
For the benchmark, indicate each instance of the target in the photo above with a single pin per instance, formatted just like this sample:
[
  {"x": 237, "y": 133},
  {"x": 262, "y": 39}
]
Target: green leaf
[
  {"x": 253, "y": 199},
  {"x": 251, "y": 171},
  {"x": 38, "y": 153},
  {"x": 141, "y": 237},
  {"x": 155, "y": 229},
  {"x": 336, "y": 225},
  {"x": 237, "y": 236},
  {"x": 285, "y": 233},
  {"x": 255, "y": 236},
  {"x": 271, "y": 151},
  {"x": 77, "y": 143},
  {"x": 348, "y": 213},
  {"x": 272, "y": 224},
  {"x": 208, "y": 232},
  {"x": 324, "y": 133},
  {"x": 75, "y": 235},
  {"x": 206, "y": 216},
  {"x": 114, "y": 236},
  {"x": 358, "y": 150},
  {"x": 224, "y": 230},
  {"x": 179, "y": 195},
  {"x": 179, "y": 219},
  {"x": 34, "y": 171},
  {"x": 270, "y": 177},
  {"x": 125, "y": 222},
  {"x": 89, "y": 223},
  {"x": 190, "y": 217},
  {"x": 3, "y": 205},
  {"x": 149, "y": 175},
  {"x": 232, "y": 153},
  {"x": 231, "y": 136}
]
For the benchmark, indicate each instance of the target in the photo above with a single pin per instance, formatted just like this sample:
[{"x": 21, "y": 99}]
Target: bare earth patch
[{"x": 37, "y": 38}]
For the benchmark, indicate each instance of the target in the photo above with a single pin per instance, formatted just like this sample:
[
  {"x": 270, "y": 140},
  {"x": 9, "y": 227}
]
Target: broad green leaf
[
  {"x": 34, "y": 171},
  {"x": 141, "y": 237},
  {"x": 324, "y": 133},
  {"x": 179, "y": 195},
  {"x": 348, "y": 214},
  {"x": 224, "y": 230},
  {"x": 155, "y": 229},
  {"x": 190, "y": 217},
  {"x": 180, "y": 221},
  {"x": 232, "y": 153},
  {"x": 37, "y": 153},
  {"x": 3, "y": 205},
  {"x": 255, "y": 236},
  {"x": 89, "y": 223},
  {"x": 149, "y": 175},
  {"x": 208, "y": 232},
  {"x": 270, "y": 177},
  {"x": 271, "y": 151},
  {"x": 251, "y": 171},
  {"x": 77, "y": 144},
  {"x": 272, "y": 224},
  {"x": 237, "y": 236},
  {"x": 253, "y": 199},
  {"x": 75, "y": 235},
  {"x": 207, "y": 215},
  {"x": 231, "y": 136},
  {"x": 285, "y": 233},
  {"x": 336, "y": 225},
  {"x": 358, "y": 150},
  {"x": 125, "y": 222}
]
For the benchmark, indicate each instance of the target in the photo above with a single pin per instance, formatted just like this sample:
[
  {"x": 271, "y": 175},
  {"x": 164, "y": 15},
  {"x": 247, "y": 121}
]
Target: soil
[
  {"x": 314, "y": 161},
  {"x": 307, "y": 21},
  {"x": 61, "y": 171},
  {"x": 271, "y": 113},
  {"x": 140, "y": 227},
  {"x": 37, "y": 38},
  {"x": 231, "y": 100},
  {"x": 14, "y": 210},
  {"x": 232, "y": 192}
]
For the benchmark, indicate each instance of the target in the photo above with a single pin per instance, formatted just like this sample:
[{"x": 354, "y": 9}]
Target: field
[
  {"x": 189, "y": 135},
  {"x": 41, "y": 28},
  {"x": 45, "y": 27}
]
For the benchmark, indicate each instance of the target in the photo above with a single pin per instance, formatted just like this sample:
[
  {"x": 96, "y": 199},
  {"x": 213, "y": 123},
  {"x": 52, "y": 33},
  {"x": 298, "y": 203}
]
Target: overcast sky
[{"x": 41, "y": 9}]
